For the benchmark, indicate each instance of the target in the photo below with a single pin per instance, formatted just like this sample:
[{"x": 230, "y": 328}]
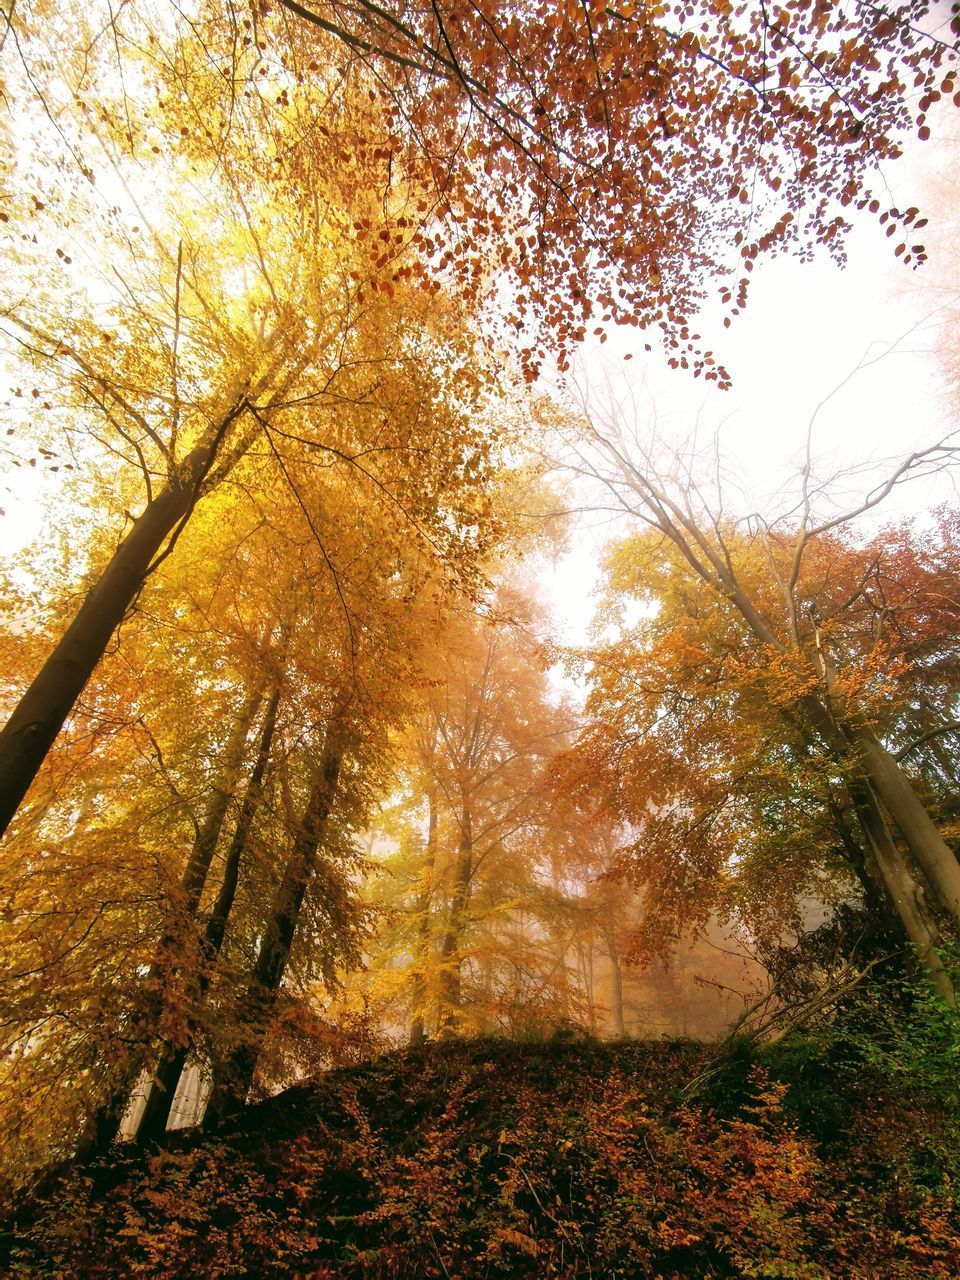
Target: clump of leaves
[{"x": 907, "y": 1034}]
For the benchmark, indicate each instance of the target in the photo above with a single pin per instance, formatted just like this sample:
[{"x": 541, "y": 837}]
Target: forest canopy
[{"x": 295, "y": 768}]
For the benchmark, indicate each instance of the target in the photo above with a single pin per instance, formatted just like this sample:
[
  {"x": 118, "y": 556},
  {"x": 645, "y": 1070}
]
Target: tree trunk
[
  {"x": 233, "y": 1079},
  {"x": 450, "y": 961},
  {"x": 875, "y": 765},
  {"x": 424, "y": 898},
  {"x": 890, "y": 784},
  {"x": 934, "y": 856},
  {"x": 194, "y": 877},
  {"x": 861, "y": 860},
  {"x": 887, "y": 779},
  {"x": 616, "y": 987},
  {"x": 39, "y": 716},
  {"x": 585, "y": 962},
  {"x": 41, "y": 712},
  {"x": 876, "y": 774},
  {"x": 904, "y": 892},
  {"x": 166, "y": 1076},
  {"x": 103, "y": 1125}
]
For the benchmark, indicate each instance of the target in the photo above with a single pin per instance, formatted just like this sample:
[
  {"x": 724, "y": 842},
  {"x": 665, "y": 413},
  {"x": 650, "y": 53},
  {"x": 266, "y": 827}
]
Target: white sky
[{"x": 806, "y": 328}]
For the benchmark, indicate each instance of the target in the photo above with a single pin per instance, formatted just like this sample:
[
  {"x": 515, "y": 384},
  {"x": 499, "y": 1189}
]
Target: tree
[
  {"x": 600, "y": 159},
  {"x": 297, "y": 573},
  {"x": 244, "y": 318},
  {"x": 472, "y": 828},
  {"x": 646, "y": 151},
  {"x": 789, "y": 606}
]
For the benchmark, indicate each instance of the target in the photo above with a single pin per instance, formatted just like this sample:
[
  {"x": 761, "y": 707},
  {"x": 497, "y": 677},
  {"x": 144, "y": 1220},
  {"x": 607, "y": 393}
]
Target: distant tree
[
  {"x": 772, "y": 687},
  {"x": 472, "y": 828}
]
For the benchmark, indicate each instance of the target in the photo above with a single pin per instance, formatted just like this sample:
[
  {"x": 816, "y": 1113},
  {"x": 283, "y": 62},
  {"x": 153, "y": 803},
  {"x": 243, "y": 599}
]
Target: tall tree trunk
[
  {"x": 39, "y": 716},
  {"x": 194, "y": 877},
  {"x": 876, "y": 775},
  {"x": 424, "y": 899},
  {"x": 875, "y": 766},
  {"x": 903, "y": 890},
  {"x": 169, "y": 1068},
  {"x": 859, "y": 857},
  {"x": 103, "y": 1126},
  {"x": 233, "y": 1079},
  {"x": 585, "y": 965},
  {"x": 450, "y": 961},
  {"x": 886, "y": 778},
  {"x": 616, "y": 985},
  {"x": 888, "y": 782},
  {"x": 933, "y": 855}
]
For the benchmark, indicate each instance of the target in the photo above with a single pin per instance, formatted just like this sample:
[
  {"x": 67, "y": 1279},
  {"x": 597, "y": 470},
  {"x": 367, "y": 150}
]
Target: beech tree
[
  {"x": 471, "y": 825},
  {"x": 170, "y": 753},
  {"x": 790, "y": 606},
  {"x": 624, "y": 205},
  {"x": 648, "y": 153},
  {"x": 214, "y": 321},
  {"x": 553, "y": 924},
  {"x": 270, "y": 269},
  {"x": 275, "y": 622}
]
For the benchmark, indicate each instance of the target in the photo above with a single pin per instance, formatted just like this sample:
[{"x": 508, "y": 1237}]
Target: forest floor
[{"x": 569, "y": 1157}]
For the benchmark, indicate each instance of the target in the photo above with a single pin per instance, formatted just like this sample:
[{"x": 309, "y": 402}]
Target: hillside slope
[{"x": 569, "y": 1158}]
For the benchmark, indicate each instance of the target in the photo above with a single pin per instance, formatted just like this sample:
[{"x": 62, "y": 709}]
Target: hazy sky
[{"x": 806, "y": 329}]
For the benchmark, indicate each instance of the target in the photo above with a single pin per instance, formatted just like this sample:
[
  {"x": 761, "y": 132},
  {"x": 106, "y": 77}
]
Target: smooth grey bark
[
  {"x": 903, "y": 891},
  {"x": 874, "y": 764},
  {"x": 874, "y": 767},
  {"x": 933, "y": 855},
  {"x": 859, "y": 857}
]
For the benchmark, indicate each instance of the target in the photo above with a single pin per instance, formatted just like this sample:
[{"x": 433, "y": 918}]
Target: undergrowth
[{"x": 811, "y": 1159}]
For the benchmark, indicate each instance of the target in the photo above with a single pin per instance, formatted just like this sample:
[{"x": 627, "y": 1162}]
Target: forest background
[{"x": 317, "y": 373}]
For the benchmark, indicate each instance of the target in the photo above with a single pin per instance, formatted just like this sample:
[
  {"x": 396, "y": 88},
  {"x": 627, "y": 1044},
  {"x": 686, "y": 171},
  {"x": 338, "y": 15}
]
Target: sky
[{"x": 853, "y": 348}]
